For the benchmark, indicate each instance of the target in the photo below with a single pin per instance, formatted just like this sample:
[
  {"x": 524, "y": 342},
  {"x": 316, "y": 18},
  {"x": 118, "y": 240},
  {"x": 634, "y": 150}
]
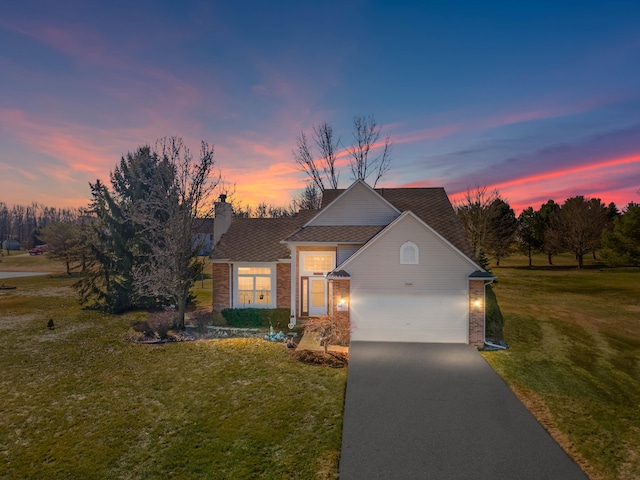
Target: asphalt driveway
[{"x": 439, "y": 411}]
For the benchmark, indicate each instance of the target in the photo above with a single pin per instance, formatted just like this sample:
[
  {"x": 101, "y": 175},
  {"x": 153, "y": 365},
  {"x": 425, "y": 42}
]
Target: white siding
[
  {"x": 345, "y": 251},
  {"x": 441, "y": 269},
  {"x": 357, "y": 206}
]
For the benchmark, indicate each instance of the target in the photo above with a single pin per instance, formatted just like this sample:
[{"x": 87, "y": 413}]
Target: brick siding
[
  {"x": 283, "y": 287},
  {"x": 341, "y": 289},
  {"x": 221, "y": 284},
  {"x": 476, "y": 313}
]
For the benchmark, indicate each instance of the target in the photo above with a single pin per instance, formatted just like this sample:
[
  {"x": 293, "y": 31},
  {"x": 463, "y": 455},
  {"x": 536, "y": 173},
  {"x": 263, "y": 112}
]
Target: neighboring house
[
  {"x": 395, "y": 262},
  {"x": 11, "y": 245},
  {"x": 203, "y": 238}
]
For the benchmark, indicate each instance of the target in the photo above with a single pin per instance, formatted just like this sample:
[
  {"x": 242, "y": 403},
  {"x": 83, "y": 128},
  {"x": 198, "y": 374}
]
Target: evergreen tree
[
  {"x": 621, "y": 245},
  {"x": 543, "y": 223},
  {"x": 501, "y": 230},
  {"x": 527, "y": 236}
]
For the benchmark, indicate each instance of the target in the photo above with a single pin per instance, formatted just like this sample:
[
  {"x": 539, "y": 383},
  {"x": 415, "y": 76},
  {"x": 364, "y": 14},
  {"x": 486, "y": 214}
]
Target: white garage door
[{"x": 424, "y": 318}]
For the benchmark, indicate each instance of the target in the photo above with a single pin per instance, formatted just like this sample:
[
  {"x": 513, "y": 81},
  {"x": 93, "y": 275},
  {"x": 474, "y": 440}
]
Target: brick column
[
  {"x": 283, "y": 285},
  {"x": 477, "y": 305},
  {"x": 221, "y": 285},
  {"x": 341, "y": 291}
]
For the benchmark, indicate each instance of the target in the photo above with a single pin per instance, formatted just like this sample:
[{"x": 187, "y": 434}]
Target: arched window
[{"x": 409, "y": 254}]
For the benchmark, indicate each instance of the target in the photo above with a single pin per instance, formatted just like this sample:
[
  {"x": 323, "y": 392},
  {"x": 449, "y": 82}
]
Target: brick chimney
[{"x": 222, "y": 218}]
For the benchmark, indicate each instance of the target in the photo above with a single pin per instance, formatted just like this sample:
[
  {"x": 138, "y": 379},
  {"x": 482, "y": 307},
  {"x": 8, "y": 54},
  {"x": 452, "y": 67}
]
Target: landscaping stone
[{"x": 232, "y": 332}]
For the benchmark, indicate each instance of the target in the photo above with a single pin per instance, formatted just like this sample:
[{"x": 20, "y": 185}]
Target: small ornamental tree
[
  {"x": 328, "y": 330},
  {"x": 66, "y": 242}
]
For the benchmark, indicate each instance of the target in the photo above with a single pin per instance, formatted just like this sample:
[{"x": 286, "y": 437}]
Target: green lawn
[
  {"x": 81, "y": 402},
  {"x": 575, "y": 357}
]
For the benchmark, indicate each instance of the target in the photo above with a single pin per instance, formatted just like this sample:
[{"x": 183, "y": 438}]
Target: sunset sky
[{"x": 537, "y": 99}]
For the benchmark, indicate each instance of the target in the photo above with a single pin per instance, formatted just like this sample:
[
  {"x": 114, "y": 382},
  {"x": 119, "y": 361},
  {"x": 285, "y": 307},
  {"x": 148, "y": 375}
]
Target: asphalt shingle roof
[
  {"x": 338, "y": 233},
  {"x": 431, "y": 205},
  {"x": 259, "y": 239}
]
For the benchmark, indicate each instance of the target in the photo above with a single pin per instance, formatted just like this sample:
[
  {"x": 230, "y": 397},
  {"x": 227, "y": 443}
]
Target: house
[
  {"x": 203, "y": 237},
  {"x": 395, "y": 262},
  {"x": 11, "y": 245}
]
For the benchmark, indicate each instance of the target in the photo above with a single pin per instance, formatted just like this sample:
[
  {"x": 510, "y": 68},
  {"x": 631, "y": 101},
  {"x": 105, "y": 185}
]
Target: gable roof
[
  {"x": 389, "y": 228},
  {"x": 431, "y": 205},
  {"x": 258, "y": 239},
  {"x": 357, "y": 205}
]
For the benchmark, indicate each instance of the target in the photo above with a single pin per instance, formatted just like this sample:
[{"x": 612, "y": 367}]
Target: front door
[
  {"x": 313, "y": 296},
  {"x": 314, "y": 266},
  {"x": 317, "y": 296}
]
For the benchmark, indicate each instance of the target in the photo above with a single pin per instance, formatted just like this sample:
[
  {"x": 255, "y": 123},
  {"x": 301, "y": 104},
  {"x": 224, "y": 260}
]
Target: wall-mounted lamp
[
  {"x": 477, "y": 303},
  {"x": 342, "y": 306}
]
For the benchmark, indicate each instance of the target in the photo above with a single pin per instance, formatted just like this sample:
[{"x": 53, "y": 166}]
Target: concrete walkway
[
  {"x": 436, "y": 411},
  {"x": 308, "y": 342}
]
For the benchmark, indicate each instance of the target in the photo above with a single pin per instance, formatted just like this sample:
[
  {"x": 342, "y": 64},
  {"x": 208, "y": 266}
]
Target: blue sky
[{"x": 537, "y": 99}]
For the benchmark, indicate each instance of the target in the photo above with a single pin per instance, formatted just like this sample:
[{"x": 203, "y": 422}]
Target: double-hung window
[{"x": 255, "y": 286}]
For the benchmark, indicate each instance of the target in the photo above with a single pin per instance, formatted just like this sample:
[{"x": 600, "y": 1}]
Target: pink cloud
[
  {"x": 556, "y": 110},
  {"x": 603, "y": 179}
]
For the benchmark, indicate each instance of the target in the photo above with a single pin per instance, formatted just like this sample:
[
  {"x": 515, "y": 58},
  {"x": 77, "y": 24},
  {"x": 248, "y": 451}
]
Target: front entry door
[
  {"x": 314, "y": 296},
  {"x": 317, "y": 296}
]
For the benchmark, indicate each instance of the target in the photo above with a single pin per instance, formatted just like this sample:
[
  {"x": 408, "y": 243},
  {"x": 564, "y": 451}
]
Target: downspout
[
  {"x": 231, "y": 286},
  {"x": 484, "y": 314},
  {"x": 294, "y": 283}
]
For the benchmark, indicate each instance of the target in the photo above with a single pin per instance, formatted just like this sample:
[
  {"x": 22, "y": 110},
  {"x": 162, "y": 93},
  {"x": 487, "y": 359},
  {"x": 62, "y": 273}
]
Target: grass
[
  {"x": 21, "y": 261},
  {"x": 575, "y": 357},
  {"x": 81, "y": 402}
]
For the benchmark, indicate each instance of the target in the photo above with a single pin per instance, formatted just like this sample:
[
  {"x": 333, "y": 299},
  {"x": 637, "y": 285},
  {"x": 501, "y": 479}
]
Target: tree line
[
  {"x": 22, "y": 223},
  {"x": 580, "y": 226}
]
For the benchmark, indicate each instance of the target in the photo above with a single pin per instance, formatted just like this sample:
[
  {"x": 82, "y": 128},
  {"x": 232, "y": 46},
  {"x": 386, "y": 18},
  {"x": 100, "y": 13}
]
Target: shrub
[
  {"x": 328, "y": 330},
  {"x": 257, "y": 317},
  {"x": 494, "y": 318}
]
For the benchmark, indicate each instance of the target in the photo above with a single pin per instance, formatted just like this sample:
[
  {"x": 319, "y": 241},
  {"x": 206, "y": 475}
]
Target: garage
[{"x": 409, "y": 317}]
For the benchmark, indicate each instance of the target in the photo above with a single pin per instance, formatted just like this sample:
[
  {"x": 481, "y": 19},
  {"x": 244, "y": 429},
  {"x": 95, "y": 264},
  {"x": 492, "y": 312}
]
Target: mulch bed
[{"x": 330, "y": 359}]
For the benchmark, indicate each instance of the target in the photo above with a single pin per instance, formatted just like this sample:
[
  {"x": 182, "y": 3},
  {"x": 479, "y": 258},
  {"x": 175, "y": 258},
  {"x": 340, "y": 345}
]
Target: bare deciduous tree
[
  {"x": 366, "y": 133},
  {"x": 303, "y": 157},
  {"x": 171, "y": 219},
  {"x": 328, "y": 146},
  {"x": 66, "y": 241},
  {"x": 474, "y": 211},
  {"x": 577, "y": 226},
  {"x": 322, "y": 169}
]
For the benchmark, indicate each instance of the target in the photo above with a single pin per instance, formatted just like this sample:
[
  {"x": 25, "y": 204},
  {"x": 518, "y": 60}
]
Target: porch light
[
  {"x": 477, "y": 303},
  {"x": 342, "y": 301}
]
